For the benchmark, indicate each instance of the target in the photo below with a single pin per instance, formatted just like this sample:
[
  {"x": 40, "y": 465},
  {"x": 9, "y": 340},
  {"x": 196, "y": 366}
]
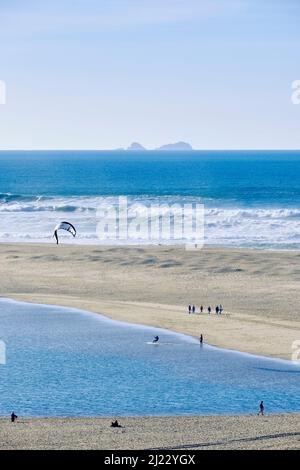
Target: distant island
[
  {"x": 177, "y": 146},
  {"x": 136, "y": 146}
]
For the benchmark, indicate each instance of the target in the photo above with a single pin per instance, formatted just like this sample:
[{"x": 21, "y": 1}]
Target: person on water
[
  {"x": 201, "y": 339},
  {"x": 156, "y": 338}
]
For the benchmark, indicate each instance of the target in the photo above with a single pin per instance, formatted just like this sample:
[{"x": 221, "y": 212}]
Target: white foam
[{"x": 32, "y": 219}]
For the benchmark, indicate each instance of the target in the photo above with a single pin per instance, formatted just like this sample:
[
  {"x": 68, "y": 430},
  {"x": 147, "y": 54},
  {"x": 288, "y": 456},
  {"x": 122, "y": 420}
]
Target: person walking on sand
[
  {"x": 220, "y": 309},
  {"x": 194, "y": 309},
  {"x": 190, "y": 309},
  {"x": 261, "y": 409},
  {"x": 209, "y": 309},
  {"x": 13, "y": 417},
  {"x": 217, "y": 309},
  {"x": 201, "y": 309}
]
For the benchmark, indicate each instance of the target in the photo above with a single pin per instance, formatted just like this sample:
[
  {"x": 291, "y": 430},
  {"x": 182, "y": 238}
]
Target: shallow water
[{"x": 63, "y": 362}]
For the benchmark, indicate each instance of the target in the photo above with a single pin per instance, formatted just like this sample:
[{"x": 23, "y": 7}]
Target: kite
[{"x": 64, "y": 226}]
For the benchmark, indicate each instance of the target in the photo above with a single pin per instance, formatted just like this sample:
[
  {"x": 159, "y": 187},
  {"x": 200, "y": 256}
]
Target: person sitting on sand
[
  {"x": 13, "y": 417},
  {"x": 156, "y": 338},
  {"x": 115, "y": 424},
  {"x": 261, "y": 408}
]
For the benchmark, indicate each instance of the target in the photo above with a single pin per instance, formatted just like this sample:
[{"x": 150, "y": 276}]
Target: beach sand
[
  {"x": 153, "y": 286},
  {"x": 176, "y": 433}
]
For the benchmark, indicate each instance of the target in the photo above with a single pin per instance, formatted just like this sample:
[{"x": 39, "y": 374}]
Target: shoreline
[
  {"x": 141, "y": 325},
  {"x": 110, "y": 314},
  {"x": 152, "y": 286},
  {"x": 73, "y": 243}
]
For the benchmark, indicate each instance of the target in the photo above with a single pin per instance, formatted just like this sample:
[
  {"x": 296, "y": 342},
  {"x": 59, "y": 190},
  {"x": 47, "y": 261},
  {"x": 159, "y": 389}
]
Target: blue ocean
[{"x": 251, "y": 198}]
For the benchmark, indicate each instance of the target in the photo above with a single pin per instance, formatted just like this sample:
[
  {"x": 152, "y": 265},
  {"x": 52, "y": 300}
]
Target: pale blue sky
[{"x": 98, "y": 74}]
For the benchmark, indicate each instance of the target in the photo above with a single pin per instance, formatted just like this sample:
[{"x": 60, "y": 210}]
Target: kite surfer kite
[{"x": 64, "y": 226}]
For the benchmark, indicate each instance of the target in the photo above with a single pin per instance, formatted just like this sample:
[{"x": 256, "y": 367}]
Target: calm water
[
  {"x": 64, "y": 362},
  {"x": 252, "y": 199}
]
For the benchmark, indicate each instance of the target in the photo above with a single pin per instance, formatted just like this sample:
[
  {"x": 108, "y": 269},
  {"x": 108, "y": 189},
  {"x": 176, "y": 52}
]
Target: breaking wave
[{"x": 32, "y": 218}]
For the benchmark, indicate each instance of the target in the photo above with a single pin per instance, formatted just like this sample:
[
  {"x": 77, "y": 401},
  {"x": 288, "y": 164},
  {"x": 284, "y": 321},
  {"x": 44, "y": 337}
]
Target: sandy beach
[
  {"x": 153, "y": 286},
  {"x": 168, "y": 433}
]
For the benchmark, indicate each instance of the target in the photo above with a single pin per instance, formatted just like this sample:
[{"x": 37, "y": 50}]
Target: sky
[{"x": 99, "y": 74}]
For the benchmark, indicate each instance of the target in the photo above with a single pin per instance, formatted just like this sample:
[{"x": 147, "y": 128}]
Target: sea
[{"x": 251, "y": 198}]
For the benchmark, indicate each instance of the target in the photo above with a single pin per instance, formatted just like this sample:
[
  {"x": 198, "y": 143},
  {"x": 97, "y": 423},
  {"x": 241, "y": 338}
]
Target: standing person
[
  {"x": 209, "y": 309},
  {"x": 13, "y": 417},
  {"x": 217, "y": 309},
  {"x": 221, "y": 309},
  {"x": 194, "y": 309},
  {"x": 261, "y": 409},
  {"x": 201, "y": 309},
  {"x": 56, "y": 236},
  {"x": 201, "y": 339},
  {"x": 190, "y": 309}
]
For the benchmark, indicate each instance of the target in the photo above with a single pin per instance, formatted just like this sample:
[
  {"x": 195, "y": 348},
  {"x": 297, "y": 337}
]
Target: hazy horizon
[{"x": 149, "y": 150}]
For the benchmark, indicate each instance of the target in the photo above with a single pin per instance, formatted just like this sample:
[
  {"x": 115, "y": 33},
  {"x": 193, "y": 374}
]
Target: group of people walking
[{"x": 218, "y": 309}]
